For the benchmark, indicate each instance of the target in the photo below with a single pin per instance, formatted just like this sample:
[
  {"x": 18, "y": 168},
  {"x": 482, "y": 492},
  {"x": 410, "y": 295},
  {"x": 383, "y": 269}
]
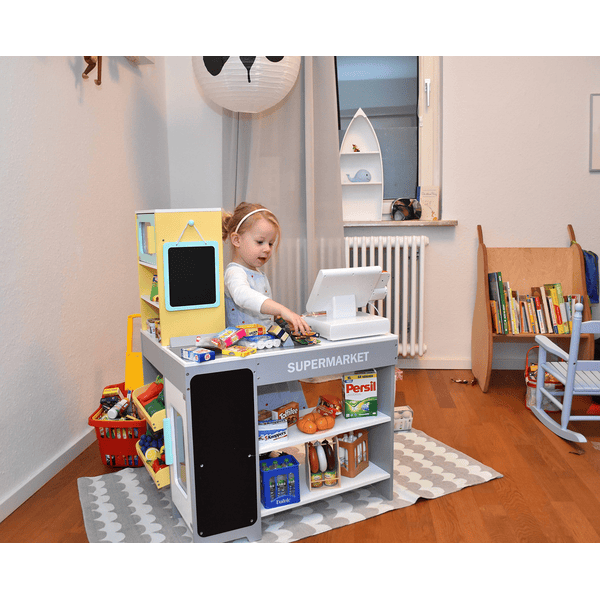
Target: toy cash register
[{"x": 339, "y": 293}]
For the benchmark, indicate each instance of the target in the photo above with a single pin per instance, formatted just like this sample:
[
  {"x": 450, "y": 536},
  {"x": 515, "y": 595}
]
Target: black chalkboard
[
  {"x": 224, "y": 451},
  {"x": 191, "y": 275}
]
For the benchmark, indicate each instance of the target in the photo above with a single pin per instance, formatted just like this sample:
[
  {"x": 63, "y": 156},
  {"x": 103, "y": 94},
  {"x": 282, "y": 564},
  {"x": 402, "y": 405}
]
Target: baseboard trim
[
  {"x": 45, "y": 475},
  {"x": 435, "y": 363},
  {"x": 499, "y": 364}
]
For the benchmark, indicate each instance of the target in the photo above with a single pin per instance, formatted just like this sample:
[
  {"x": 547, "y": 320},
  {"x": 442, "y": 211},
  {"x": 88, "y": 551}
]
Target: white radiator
[{"x": 403, "y": 257}]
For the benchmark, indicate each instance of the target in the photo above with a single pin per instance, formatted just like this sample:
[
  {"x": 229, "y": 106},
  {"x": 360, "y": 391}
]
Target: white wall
[
  {"x": 515, "y": 161},
  {"x": 195, "y": 139},
  {"x": 76, "y": 162}
]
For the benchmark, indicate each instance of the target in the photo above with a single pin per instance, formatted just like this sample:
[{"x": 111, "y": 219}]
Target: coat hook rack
[{"x": 92, "y": 62}]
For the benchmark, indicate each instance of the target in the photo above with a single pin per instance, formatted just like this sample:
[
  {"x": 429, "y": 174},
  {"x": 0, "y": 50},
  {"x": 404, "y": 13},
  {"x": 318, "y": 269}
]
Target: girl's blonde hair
[{"x": 230, "y": 221}]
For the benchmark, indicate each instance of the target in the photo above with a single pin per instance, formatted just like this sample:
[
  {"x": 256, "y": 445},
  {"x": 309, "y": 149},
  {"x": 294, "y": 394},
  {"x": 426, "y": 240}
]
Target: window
[{"x": 400, "y": 96}]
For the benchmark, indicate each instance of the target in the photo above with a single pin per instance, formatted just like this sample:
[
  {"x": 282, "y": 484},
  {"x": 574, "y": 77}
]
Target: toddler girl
[{"x": 254, "y": 232}]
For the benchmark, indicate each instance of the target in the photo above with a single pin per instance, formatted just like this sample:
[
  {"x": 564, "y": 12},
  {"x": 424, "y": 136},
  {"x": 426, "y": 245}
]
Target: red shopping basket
[{"x": 117, "y": 439}]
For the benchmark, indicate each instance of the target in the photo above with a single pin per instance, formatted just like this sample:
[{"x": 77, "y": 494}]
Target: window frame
[
  {"x": 429, "y": 145},
  {"x": 430, "y": 122}
]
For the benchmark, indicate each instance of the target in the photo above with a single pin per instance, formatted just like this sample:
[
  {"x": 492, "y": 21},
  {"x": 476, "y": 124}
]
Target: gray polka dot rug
[{"x": 126, "y": 506}]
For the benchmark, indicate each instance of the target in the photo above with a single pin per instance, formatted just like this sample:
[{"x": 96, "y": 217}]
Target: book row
[{"x": 545, "y": 310}]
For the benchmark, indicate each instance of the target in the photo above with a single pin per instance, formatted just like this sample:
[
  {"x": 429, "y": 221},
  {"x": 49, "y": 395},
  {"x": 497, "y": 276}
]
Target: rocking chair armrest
[{"x": 551, "y": 347}]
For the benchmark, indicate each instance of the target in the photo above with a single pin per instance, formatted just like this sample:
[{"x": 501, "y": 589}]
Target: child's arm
[
  {"x": 270, "y": 307},
  {"x": 236, "y": 282}
]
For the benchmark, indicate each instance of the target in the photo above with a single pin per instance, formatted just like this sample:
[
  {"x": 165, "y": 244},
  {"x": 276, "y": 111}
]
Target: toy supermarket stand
[{"x": 211, "y": 417}]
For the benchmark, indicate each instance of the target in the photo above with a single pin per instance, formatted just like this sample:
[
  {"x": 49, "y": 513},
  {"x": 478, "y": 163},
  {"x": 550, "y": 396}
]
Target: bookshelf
[{"x": 524, "y": 268}]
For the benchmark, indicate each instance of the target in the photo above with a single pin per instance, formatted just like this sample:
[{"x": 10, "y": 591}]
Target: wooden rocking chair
[{"x": 579, "y": 377}]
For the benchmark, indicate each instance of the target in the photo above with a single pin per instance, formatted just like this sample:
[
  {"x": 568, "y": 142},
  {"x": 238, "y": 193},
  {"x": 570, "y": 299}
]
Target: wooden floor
[{"x": 550, "y": 491}]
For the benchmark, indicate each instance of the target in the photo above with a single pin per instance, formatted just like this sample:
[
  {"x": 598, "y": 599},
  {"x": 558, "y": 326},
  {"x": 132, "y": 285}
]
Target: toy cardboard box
[
  {"x": 403, "y": 418},
  {"x": 360, "y": 394}
]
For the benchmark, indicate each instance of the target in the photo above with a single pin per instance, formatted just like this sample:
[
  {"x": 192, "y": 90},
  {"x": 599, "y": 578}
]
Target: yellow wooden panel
[{"x": 169, "y": 227}]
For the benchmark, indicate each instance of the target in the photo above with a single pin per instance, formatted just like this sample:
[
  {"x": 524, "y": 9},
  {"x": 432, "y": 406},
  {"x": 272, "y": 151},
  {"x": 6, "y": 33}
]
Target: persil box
[{"x": 360, "y": 394}]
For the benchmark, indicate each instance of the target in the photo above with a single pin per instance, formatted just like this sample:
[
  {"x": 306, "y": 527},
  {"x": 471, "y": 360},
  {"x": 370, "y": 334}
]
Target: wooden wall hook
[{"x": 92, "y": 62}]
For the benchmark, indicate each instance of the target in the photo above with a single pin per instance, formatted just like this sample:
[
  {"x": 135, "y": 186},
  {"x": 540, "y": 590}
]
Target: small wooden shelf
[
  {"x": 161, "y": 478},
  {"x": 342, "y": 425},
  {"x": 361, "y": 200},
  {"x": 156, "y": 420},
  {"x": 359, "y": 183},
  {"x": 390, "y": 223},
  {"x": 372, "y": 474},
  {"x": 147, "y": 265},
  {"x": 146, "y": 298},
  {"x": 359, "y": 153},
  {"x": 524, "y": 268}
]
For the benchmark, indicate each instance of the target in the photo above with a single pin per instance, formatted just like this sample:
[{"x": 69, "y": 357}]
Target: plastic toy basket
[
  {"x": 117, "y": 439},
  {"x": 550, "y": 383}
]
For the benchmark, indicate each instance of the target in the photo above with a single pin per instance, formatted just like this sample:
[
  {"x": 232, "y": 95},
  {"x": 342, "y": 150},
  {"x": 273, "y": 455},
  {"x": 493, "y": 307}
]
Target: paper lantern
[{"x": 249, "y": 84}]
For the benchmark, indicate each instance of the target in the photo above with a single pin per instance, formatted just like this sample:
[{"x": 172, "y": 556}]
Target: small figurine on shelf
[
  {"x": 362, "y": 176},
  {"x": 355, "y": 148}
]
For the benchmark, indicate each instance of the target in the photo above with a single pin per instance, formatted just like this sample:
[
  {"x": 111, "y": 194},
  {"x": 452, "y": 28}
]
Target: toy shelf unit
[
  {"x": 524, "y": 268},
  {"x": 180, "y": 261},
  {"x": 212, "y": 419},
  {"x": 361, "y": 170},
  {"x": 162, "y": 477},
  {"x": 371, "y": 475}
]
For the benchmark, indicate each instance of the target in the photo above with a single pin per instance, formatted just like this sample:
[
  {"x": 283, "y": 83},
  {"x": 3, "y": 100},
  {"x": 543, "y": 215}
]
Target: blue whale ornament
[{"x": 361, "y": 176}]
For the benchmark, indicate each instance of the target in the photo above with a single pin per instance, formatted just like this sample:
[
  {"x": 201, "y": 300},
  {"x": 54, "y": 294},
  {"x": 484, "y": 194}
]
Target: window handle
[{"x": 427, "y": 89}]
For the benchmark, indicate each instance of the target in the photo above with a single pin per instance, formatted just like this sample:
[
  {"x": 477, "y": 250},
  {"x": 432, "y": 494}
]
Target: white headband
[{"x": 249, "y": 215}]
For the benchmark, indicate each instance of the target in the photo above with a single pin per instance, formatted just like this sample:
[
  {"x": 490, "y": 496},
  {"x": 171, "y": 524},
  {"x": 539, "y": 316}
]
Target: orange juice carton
[{"x": 360, "y": 394}]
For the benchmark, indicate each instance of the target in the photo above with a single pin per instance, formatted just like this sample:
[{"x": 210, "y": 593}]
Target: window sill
[{"x": 412, "y": 223}]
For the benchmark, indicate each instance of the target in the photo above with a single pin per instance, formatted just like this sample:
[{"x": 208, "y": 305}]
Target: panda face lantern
[{"x": 248, "y": 84}]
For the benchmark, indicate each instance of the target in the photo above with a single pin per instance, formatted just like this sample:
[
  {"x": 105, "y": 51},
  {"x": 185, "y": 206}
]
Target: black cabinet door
[{"x": 224, "y": 442}]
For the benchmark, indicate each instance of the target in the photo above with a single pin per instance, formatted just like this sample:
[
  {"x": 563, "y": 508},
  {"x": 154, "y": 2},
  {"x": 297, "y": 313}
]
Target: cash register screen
[{"x": 359, "y": 281}]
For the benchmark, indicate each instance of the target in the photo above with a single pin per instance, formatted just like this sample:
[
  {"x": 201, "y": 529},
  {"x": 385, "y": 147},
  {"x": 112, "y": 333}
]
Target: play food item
[
  {"x": 152, "y": 454},
  {"x": 321, "y": 456},
  {"x": 325, "y": 423},
  {"x": 313, "y": 459},
  {"x": 307, "y": 426}
]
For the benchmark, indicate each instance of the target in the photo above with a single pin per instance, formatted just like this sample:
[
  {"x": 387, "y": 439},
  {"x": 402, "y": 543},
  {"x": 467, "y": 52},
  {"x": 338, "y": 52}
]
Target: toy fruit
[
  {"x": 307, "y": 426},
  {"x": 152, "y": 454},
  {"x": 325, "y": 423}
]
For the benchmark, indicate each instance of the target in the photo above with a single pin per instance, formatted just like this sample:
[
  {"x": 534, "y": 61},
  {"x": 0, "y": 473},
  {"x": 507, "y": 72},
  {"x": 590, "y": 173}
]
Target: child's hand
[
  {"x": 270, "y": 307},
  {"x": 296, "y": 322}
]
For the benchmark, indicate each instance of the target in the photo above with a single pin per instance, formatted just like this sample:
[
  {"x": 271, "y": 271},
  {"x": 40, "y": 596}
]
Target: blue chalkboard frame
[{"x": 166, "y": 248}]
